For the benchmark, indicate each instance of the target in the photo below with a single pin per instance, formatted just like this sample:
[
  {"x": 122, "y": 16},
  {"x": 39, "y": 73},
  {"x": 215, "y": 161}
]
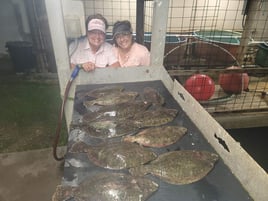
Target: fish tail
[{"x": 62, "y": 193}]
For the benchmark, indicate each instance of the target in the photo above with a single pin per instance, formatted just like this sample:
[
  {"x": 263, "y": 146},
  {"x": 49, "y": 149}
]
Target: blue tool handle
[{"x": 75, "y": 72}]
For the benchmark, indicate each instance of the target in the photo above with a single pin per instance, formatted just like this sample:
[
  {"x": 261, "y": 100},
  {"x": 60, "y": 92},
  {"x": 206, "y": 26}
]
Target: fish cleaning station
[{"x": 105, "y": 159}]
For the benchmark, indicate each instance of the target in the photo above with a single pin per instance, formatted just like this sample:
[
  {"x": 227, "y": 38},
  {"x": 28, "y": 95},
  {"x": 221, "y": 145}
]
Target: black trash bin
[{"x": 21, "y": 54}]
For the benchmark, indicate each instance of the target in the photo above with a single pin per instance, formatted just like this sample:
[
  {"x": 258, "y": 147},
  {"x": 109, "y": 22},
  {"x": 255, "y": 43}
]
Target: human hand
[{"x": 88, "y": 66}]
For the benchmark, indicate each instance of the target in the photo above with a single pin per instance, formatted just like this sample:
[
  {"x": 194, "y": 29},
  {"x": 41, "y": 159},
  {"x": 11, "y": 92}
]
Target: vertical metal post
[
  {"x": 57, "y": 31},
  {"x": 140, "y": 21},
  {"x": 159, "y": 26}
]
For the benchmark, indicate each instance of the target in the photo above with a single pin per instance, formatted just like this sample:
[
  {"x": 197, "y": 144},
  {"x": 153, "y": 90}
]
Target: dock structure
[{"x": 250, "y": 176}]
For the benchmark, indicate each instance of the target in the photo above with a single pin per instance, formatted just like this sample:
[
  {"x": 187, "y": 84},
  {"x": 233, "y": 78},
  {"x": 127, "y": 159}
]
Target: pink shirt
[
  {"x": 82, "y": 54},
  {"x": 137, "y": 56}
]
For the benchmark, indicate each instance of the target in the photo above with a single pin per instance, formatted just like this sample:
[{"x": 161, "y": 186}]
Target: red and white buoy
[{"x": 233, "y": 83}]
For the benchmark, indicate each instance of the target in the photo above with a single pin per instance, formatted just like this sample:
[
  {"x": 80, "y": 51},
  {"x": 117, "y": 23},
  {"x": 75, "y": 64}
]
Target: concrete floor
[{"x": 29, "y": 176}]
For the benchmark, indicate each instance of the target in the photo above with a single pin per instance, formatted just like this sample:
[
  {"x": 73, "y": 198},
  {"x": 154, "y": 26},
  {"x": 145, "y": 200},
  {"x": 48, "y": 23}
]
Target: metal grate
[
  {"x": 236, "y": 90},
  {"x": 112, "y": 10},
  {"x": 219, "y": 33},
  {"x": 252, "y": 98}
]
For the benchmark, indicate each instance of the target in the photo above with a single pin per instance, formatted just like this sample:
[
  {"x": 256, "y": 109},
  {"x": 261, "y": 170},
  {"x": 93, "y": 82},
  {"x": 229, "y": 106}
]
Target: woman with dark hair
[
  {"x": 92, "y": 51},
  {"x": 127, "y": 51}
]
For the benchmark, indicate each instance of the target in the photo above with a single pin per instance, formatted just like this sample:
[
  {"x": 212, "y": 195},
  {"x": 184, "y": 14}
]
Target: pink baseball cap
[{"x": 96, "y": 24}]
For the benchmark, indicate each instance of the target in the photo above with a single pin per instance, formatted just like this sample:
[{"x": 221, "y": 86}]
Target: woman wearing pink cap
[
  {"x": 92, "y": 51},
  {"x": 127, "y": 51}
]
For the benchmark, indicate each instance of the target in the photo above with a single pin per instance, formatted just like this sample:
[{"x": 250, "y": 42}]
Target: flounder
[
  {"x": 179, "y": 167},
  {"x": 115, "y": 155},
  {"x": 156, "y": 117},
  {"x": 102, "y": 91},
  {"x": 152, "y": 95},
  {"x": 118, "y": 111},
  {"x": 114, "y": 98},
  {"x": 107, "y": 186},
  {"x": 158, "y": 136},
  {"x": 110, "y": 128}
]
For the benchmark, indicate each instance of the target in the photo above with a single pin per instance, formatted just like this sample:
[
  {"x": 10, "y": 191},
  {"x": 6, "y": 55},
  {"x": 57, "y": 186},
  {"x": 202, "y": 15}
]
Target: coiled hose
[{"x": 60, "y": 117}]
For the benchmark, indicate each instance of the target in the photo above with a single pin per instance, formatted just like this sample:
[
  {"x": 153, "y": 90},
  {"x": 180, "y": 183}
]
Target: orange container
[{"x": 216, "y": 45}]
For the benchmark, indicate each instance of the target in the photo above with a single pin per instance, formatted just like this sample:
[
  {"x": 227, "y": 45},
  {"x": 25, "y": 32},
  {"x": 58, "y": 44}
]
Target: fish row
[
  {"x": 111, "y": 124},
  {"x": 120, "y": 113},
  {"x": 174, "y": 167},
  {"x": 114, "y": 94},
  {"x": 139, "y": 127}
]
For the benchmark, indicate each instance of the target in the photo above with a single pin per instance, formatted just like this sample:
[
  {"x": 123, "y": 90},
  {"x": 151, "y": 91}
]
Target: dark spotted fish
[
  {"x": 179, "y": 167},
  {"x": 115, "y": 155},
  {"x": 158, "y": 136},
  {"x": 156, "y": 117},
  {"x": 112, "y": 99},
  {"x": 152, "y": 95},
  {"x": 117, "y": 111},
  {"x": 102, "y": 91},
  {"x": 107, "y": 186}
]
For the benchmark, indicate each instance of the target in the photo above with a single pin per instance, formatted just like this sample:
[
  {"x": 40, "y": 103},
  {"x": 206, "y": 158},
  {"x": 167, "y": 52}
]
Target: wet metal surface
[{"x": 219, "y": 185}]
